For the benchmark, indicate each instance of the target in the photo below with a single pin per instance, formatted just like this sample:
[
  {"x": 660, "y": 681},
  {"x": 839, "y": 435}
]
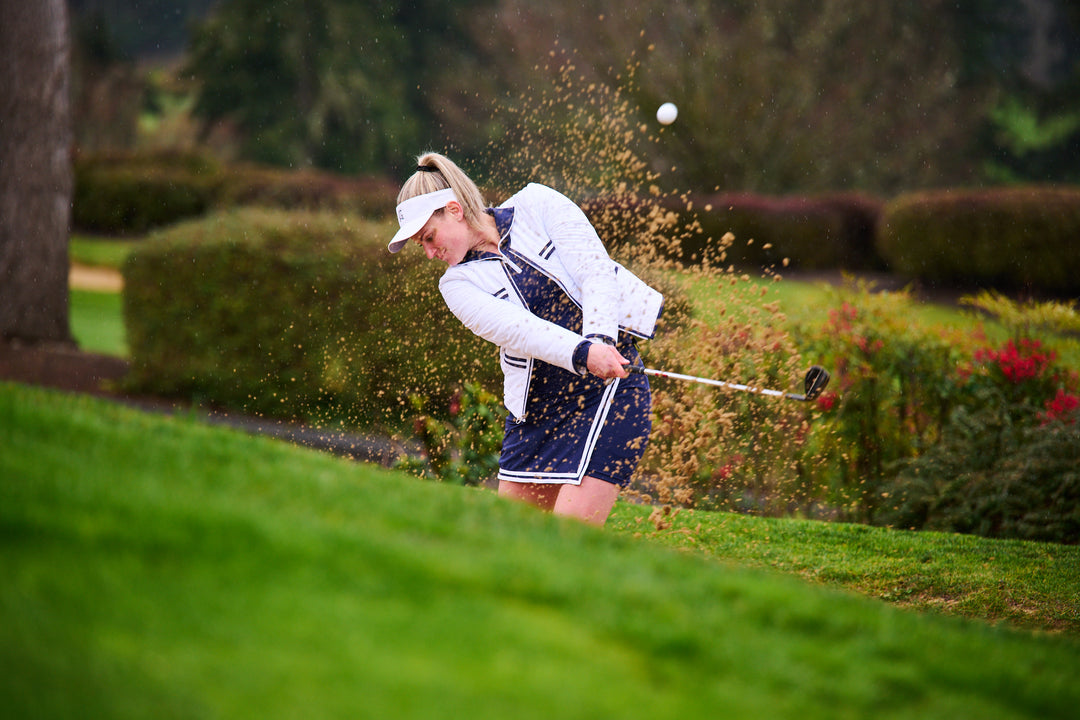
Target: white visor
[{"x": 413, "y": 214}]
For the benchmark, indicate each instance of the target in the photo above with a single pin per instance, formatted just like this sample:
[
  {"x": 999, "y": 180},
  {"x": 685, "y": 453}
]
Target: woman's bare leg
[
  {"x": 542, "y": 495},
  {"x": 590, "y": 501}
]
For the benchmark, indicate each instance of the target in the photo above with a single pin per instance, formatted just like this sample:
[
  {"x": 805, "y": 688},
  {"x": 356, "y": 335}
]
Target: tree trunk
[{"x": 35, "y": 171}]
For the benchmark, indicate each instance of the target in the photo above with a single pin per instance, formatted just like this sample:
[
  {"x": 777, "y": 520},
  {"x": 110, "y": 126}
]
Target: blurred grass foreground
[{"x": 154, "y": 567}]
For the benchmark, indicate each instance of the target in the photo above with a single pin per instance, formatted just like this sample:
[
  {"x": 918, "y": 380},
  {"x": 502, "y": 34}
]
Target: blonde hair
[{"x": 445, "y": 175}]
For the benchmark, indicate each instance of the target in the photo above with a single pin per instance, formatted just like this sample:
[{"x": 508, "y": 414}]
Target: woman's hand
[{"x": 604, "y": 361}]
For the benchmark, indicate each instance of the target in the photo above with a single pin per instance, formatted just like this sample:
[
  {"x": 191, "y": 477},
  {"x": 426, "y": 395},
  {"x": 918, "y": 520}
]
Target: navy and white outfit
[{"x": 551, "y": 286}]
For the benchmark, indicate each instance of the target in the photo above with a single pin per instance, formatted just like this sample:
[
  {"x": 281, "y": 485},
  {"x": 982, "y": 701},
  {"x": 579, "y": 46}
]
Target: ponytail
[{"x": 437, "y": 172}]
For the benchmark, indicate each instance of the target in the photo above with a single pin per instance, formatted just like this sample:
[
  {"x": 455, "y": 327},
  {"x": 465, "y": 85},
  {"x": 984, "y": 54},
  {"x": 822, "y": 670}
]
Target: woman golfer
[{"x": 532, "y": 276}]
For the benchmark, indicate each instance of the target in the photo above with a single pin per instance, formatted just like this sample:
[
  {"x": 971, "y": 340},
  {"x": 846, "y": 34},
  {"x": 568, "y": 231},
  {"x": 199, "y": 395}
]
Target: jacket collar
[{"x": 504, "y": 220}]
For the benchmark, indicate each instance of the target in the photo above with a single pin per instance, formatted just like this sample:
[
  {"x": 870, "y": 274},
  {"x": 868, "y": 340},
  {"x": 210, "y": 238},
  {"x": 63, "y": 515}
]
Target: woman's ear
[{"x": 456, "y": 211}]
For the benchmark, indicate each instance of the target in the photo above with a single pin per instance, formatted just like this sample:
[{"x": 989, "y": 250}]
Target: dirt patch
[
  {"x": 85, "y": 277},
  {"x": 61, "y": 367}
]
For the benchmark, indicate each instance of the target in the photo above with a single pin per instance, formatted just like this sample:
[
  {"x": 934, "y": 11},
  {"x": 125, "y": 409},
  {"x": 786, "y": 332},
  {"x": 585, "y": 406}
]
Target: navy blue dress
[{"x": 573, "y": 425}]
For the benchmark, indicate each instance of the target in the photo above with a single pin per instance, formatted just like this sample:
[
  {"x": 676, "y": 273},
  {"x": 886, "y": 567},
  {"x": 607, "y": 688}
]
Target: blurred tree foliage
[
  {"x": 140, "y": 28},
  {"x": 337, "y": 84},
  {"x": 1028, "y": 53},
  {"x": 774, "y": 95}
]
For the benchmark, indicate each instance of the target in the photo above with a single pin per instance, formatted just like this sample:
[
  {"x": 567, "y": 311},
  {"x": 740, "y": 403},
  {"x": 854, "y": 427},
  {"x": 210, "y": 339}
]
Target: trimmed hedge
[
  {"x": 117, "y": 196},
  {"x": 294, "y": 315},
  {"x": 303, "y": 315},
  {"x": 307, "y": 189},
  {"x": 827, "y": 231},
  {"x": 812, "y": 233},
  {"x": 121, "y": 194},
  {"x": 1006, "y": 238}
]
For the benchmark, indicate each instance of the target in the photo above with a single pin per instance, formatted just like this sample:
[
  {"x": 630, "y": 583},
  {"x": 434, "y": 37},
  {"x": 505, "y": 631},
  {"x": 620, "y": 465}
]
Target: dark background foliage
[{"x": 776, "y": 97}]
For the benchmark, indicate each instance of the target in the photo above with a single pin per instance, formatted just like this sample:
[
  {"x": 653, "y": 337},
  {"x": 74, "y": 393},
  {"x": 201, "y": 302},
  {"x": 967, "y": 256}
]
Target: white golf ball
[{"x": 667, "y": 113}]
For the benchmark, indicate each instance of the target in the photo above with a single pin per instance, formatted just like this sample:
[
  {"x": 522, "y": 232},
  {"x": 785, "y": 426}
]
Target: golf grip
[{"x": 716, "y": 383}]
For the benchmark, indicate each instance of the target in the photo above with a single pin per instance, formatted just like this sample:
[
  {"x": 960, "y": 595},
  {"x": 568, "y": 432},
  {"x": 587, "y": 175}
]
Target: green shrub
[
  {"x": 829, "y": 231},
  {"x": 114, "y": 196},
  {"x": 1009, "y": 238},
  {"x": 995, "y": 480},
  {"x": 465, "y": 449},
  {"x": 132, "y": 193},
  {"x": 932, "y": 429},
  {"x": 294, "y": 315},
  {"x": 307, "y": 189}
]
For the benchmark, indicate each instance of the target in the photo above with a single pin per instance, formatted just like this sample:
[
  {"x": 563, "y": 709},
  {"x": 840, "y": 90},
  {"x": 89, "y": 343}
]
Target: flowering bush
[
  {"x": 890, "y": 396},
  {"x": 1018, "y": 362},
  {"x": 1006, "y": 464}
]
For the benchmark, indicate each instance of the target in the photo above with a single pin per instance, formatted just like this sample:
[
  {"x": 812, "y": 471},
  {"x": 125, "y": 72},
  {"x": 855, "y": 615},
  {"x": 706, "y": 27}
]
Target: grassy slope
[
  {"x": 1024, "y": 584},
  {"x": 155, "y": 567}
]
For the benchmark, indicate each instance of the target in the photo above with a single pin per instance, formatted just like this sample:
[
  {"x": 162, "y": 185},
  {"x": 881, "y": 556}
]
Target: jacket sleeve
[
  {"x": 584, "y": 256},
  {"x": 512, "y": 328}
]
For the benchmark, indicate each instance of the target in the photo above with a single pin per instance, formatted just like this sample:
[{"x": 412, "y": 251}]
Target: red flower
[
  {"x": 728, "y": 469},
  {"x": 1021, "y": 363},
  {"x": 1060, "y": 407},
  {"x": 841, "y": 319},
  {"x": 866, "y": 346},
  {"x": 826, "y": 401}
]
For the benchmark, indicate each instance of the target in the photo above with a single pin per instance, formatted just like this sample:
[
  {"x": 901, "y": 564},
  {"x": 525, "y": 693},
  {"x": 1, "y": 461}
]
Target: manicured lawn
[
  {"x": 1024, "y": 584},
  {"x": 96, "y": 317},
  {"x": 155, "y": 567},
  {"x": 97, "y": 322},
  {"x": 100, "y": 252}
]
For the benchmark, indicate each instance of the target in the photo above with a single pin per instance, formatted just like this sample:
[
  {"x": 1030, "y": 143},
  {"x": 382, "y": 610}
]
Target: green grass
[
  {"x": 96, "y": 317},
  {"x": 802, "y": 301},
  {"x": 97, "y": 322},
  {"x": 1023, "y": 584},
  {"x": 100, "y": 252},
  {"x": 154, "y": 567}
]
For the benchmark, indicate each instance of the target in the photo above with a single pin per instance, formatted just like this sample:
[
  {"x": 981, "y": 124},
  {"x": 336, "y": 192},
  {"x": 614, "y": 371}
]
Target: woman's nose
[{"x": 430, "y": 250}]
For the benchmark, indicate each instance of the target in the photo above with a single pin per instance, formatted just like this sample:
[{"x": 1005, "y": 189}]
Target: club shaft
[{"x": 719, "y": 383}]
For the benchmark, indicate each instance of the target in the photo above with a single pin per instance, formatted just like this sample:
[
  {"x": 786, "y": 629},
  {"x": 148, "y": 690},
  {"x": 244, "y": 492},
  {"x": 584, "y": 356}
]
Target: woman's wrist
[
  {"x": 581, "y": 357},
  {"x": 581, "y": 352}
]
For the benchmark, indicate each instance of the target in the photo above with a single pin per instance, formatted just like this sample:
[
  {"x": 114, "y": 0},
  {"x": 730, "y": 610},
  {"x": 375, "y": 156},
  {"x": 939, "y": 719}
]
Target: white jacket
[{"x": 551, "y": 233}]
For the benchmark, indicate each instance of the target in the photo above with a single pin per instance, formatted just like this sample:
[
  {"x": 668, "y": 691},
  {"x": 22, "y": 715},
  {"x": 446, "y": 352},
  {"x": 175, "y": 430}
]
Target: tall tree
[
  {"x": 339, "y": 84},
  {"x": 35, "y": 171},
  {"x": 307, "y": 82}
]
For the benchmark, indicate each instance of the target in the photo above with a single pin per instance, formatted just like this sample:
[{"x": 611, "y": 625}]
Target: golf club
[{"x": 817, "y": 378}]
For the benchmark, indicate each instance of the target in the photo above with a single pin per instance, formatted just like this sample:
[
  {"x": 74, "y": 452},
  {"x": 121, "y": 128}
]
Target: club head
[{"x": 817, "y": 378}]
